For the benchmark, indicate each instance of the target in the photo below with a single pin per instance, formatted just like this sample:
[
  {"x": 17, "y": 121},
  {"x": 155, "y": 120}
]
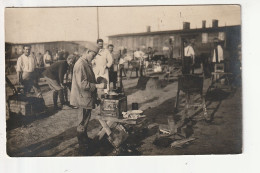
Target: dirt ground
[{"x": 54, "y": 133}]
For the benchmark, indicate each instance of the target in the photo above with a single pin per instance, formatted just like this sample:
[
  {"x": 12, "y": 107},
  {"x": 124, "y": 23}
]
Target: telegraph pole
[{"x": 97, "y": 24}]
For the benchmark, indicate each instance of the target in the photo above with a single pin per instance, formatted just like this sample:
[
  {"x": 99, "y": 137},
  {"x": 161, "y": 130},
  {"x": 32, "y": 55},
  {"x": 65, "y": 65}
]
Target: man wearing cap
[
  {"x": 84, "y": 91},
  {"x": 27, "y": 76},
  {"x": 102, "y": 62},
  {"x": 54, "y": 76}
]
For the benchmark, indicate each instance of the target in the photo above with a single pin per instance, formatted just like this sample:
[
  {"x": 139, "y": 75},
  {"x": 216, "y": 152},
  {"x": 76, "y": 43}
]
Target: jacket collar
[{"x": 86, "y": 61}]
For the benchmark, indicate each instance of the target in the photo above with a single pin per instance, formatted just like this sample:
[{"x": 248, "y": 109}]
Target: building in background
[{"x": 202, "y": 37}]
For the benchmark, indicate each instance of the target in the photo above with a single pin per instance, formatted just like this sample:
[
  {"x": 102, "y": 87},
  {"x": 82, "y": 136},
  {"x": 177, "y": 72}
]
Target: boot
[
  {"x": 55, "y": 99},
  {"x": 61, "y": 97},
  {"x": 65, "y": 92},
  {"x": 62, "y": 101},
  {"x": 83, "y": 142}
]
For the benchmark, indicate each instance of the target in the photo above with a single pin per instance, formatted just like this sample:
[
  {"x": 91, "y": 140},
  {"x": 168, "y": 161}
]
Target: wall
[{"x": 157, "y": 42}]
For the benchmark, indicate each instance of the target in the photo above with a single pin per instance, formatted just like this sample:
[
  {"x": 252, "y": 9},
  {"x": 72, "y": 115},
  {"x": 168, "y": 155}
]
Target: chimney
[
  {"x": 148, "y": 28},
  {"x": 186, "y": 25},
  {"x": 203, "y": 23},
  {"x": 214, "y": 23}
]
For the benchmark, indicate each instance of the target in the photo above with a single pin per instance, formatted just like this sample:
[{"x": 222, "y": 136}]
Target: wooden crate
[
  {"x": 26, "y": 106},
  {"x": 113, "y": 107}
]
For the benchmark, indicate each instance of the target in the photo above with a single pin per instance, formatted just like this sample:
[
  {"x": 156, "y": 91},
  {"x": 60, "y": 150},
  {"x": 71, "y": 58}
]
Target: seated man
[
  {"x": 27, "y": 75},
  {"x": 54, "y": 76}
]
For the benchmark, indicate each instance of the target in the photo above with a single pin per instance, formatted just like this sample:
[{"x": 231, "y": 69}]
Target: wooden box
[
  {"x": 26, "y": 106},
  {"x": 113, "y": 107}
]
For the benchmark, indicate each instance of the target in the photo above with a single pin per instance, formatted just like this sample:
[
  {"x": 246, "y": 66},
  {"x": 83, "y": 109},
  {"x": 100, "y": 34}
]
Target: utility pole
[{"x": 97, "y": 24}]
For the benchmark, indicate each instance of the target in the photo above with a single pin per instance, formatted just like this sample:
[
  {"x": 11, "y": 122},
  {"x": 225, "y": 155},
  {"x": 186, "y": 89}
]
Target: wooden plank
[
  {"x": 105, "y": 127},
  {"x": 102, "y": 132},
  {"x": 114, "y": 119}
]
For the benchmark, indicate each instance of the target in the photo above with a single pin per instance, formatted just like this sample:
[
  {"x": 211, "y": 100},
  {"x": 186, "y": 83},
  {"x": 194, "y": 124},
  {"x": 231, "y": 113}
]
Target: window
[
  {"x": 221, "y": 36},
  {"x": 204, "y": 37}
]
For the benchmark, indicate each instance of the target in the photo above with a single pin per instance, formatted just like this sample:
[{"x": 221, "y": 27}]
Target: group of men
[
  {"x": 188, "y": 61},
  {"x": 92, "y": 65}
]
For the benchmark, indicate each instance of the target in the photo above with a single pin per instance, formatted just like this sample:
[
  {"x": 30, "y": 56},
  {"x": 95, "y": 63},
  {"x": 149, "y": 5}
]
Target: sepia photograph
[{"x": 123, "y": 80}]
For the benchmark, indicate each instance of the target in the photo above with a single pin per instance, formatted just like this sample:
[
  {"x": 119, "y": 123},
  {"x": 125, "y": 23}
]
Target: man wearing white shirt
[
  {"x": 47, "y": 59},
  {"x": 102, "y": 62},
  {"x": 26, "y": 65},
  {"x": 189, "y": 58},
  {"x": 218, "y": 52}
]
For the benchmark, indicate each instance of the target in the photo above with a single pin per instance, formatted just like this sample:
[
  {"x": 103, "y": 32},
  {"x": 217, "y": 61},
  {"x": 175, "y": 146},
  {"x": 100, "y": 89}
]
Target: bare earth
[{"x": 54, "y": 133}]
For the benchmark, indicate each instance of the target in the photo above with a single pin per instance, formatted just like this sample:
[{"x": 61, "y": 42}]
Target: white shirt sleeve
[
  {"x": 109, "y": 59},
  {"x": 192, "y": 51},
  {"x": 220, "y": 53},
  {"x": 19, "y": 65}
]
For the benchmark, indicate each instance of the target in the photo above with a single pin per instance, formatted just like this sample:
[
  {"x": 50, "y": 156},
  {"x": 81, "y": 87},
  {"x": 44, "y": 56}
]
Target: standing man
[
  {"x": 39, "y": 60},
  {"x": 54, "y": 76},
  {"x": 188, "y": 59},
  {"x": 139, "y": 55},
  {"x": 84, "y": 91},
  {"x": 27, "y": 76},
  {"x": 217, "y": 52},
  {"x": 102, "y": 62},
  {"x": 47, "y": 59},
  {"x": 170, "y": 53},
  {"x": 113, "y": 69}
]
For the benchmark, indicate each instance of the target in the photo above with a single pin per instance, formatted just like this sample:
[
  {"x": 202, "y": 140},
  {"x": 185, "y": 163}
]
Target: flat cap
[{"x": 92, "y": 47}]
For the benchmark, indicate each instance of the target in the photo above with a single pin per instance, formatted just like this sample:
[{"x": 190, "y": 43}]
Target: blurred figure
[
  {"x": 218, "y": 55},
  {"x": 139, "y": 55},
  {"x": 150, "y": 54},
  {"x": 47, "y": 60},
  {"x": 188, "y": 59},
  {"x": 113, "y": 69},
  {"x": 56, "y": 56},
  {"x": 39, "y": 60}
]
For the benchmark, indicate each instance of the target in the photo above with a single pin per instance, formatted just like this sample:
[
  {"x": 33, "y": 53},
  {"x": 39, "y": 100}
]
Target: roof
[
  {"x": 176, "y": 31},
  {"x": 73, "y": 42}
]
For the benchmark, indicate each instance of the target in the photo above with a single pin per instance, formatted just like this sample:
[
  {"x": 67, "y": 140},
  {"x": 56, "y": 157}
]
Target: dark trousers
[
  {"x": 187, "y": 65},
  {"x": 61, "y": 95},
  {"x": 83, "y": 117}
]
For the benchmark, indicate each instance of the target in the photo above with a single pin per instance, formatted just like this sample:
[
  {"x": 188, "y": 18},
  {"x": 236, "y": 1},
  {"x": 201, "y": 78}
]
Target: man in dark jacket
[{"x": 54, "y": 76}]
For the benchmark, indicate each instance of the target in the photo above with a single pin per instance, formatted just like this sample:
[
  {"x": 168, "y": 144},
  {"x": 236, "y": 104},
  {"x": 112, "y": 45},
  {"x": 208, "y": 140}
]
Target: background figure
[
  {"x": 113, "y": 69},
  {"x": 188, "y": 59},
  {"x": 170, "y": 53},
  {"x": 47, "y": 60},
  {"x": 27, "y": 76},
  {"x": 26, "y": 65},
  {"x": 56, "y": 56},
  {"x": 218, "y": 55},
  {"x": 84, "y": 92},
  {"x": 54, "y": 76},
  {"x": 102, "y": 62},
  {"x": 39, "y": 60},
  {"x": 121, "y": 61},
  {"x": 139, "y": 56}
]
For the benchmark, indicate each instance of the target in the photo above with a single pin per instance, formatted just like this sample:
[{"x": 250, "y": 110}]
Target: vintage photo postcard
[{"x": 123, "y": 81}]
